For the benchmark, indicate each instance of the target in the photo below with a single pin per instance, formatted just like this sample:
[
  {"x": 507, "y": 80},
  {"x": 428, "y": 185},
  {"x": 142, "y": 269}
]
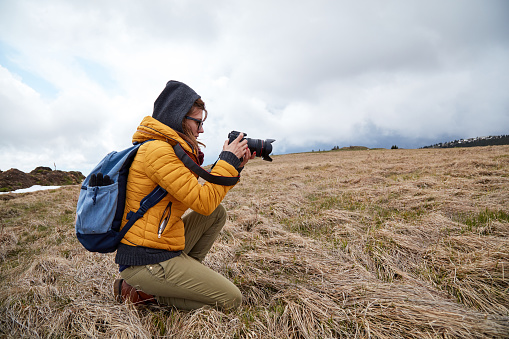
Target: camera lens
[{"x": 263, "y": 148}]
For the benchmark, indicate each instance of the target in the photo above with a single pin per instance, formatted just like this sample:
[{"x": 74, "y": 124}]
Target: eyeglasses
[{"x": 200, "y": 122}]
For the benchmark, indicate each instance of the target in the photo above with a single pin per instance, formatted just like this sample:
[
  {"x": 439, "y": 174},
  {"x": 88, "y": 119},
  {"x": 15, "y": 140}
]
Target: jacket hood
[
  {"x": 173, "y": 103},
  {"x": 152, "y": 129}
]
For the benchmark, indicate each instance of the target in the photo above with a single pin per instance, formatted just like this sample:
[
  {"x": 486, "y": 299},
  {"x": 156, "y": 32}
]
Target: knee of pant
[
  {"x": 235, "y": 300},
  {"x": 221, "y": 212}
]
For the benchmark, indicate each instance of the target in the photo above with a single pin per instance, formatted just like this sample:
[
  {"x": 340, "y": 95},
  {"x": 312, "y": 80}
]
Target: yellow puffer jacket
[{"x": 157, "y": 164}]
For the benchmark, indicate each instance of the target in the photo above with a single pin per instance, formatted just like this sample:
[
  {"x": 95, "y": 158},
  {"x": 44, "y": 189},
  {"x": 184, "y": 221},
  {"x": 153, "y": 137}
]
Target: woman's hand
[
  {"x": 240, "y": 149},
  {"x": 248, "y": 156},
  {"x": 237, "y": 146}
]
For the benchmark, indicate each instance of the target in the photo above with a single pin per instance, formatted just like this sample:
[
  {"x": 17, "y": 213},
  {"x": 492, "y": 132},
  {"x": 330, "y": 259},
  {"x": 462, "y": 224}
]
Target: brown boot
[{"x": 123, "y": 291}]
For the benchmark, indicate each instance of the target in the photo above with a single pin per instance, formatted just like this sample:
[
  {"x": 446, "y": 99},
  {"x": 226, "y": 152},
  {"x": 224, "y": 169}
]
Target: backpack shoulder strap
[{"x": 146, "y": 203}]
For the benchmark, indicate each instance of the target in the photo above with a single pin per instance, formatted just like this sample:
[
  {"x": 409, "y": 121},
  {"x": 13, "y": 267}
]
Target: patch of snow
[{"x": 32, "y": 189}]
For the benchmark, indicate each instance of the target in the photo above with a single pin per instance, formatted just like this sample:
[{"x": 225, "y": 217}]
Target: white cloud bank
[{"x": 77, "y": 77}]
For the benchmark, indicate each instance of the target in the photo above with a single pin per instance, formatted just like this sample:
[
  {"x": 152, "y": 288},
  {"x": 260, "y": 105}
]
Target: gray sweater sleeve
[{"x": 230, "y": 158}]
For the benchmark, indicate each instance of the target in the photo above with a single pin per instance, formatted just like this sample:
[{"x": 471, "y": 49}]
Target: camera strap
[{"x": 200, "y": 171}]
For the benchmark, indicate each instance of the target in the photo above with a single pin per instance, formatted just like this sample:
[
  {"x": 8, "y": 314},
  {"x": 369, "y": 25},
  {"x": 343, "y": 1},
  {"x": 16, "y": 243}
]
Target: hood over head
[{"x": 173, "y": 103}]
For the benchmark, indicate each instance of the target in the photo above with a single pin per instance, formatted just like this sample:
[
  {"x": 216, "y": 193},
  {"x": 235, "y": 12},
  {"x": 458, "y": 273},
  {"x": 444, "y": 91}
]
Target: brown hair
[{"x": 188, "y": 135}]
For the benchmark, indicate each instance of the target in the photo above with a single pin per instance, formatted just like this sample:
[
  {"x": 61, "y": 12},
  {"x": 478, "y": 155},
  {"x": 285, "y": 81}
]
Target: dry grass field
[{"x": 354, "y": 244}]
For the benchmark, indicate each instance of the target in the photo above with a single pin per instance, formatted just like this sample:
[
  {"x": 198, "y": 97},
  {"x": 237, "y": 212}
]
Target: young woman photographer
[{"x": 160, "y": 258}]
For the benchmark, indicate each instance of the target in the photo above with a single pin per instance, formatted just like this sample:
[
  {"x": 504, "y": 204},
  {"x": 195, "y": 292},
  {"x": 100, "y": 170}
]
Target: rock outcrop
[{"x": 14, "y": 179}]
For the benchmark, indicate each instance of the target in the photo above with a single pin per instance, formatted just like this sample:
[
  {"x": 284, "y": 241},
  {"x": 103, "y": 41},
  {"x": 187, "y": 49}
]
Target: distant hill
[
  {"x": 350, "y": 148},
  {"x": 14, "y": 179},
  {"x": 472, "y": 142}
]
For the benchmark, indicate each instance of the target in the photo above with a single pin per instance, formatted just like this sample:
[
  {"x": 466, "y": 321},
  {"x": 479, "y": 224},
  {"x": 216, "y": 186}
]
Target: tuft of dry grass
[{"x": 371, "y": 243}]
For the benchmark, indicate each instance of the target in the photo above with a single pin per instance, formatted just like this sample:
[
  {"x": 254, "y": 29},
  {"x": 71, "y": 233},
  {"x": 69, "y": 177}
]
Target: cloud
[{"x": 77, "y": 78}]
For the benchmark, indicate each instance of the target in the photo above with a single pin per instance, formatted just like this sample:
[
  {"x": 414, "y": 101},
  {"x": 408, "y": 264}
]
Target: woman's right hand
[{"x": 237, "y": 147}]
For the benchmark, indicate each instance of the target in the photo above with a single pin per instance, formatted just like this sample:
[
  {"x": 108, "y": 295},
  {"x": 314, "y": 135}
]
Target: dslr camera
[{"x": 263, "y": 148}]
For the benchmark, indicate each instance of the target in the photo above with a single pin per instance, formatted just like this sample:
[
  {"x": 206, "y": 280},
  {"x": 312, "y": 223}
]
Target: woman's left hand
[{"x": 248, "y": 156}]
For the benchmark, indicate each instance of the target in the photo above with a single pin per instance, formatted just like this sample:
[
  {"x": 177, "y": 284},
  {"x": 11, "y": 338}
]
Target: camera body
[{"x": 263, "y": 148}]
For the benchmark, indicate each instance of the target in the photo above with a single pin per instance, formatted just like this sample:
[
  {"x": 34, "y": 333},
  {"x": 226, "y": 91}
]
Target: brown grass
[{"x": 374, "y": 243}]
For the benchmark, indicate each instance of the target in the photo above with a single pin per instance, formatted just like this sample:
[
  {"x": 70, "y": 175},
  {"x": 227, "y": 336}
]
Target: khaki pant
[{"x": 183, "y": 281}]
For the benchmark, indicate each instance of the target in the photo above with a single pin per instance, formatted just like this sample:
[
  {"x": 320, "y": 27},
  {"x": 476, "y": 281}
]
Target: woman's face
[{"x": 196, "y": 127}]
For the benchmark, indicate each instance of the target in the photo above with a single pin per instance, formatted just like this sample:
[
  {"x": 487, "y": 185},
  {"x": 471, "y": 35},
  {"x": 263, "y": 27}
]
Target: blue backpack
[{"x": 100, "y": 208}]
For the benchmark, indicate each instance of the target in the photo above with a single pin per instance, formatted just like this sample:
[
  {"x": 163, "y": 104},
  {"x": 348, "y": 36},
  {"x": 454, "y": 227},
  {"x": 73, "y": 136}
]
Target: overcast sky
[{"x": 77, "y": 77}]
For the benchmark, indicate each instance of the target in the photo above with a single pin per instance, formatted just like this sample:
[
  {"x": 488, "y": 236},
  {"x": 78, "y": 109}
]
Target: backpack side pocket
[{"x": 97, "y": 209}]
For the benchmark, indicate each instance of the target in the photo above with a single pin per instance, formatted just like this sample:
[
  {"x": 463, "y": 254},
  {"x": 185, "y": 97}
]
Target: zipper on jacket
[{"x": 164, "y": 220}]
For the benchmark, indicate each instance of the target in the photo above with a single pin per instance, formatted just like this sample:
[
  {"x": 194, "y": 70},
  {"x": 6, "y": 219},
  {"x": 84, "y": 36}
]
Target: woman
[{"x": 160, "y": 257}]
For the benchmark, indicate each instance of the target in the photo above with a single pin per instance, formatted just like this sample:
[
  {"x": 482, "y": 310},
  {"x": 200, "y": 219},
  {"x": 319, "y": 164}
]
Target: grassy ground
[{"x": 373, "y": 243}]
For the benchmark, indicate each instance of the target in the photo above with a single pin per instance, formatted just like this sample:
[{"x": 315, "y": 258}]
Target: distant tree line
[
  {"x": 351, "y": 148},
  {"x": 472, "y": 142}
]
